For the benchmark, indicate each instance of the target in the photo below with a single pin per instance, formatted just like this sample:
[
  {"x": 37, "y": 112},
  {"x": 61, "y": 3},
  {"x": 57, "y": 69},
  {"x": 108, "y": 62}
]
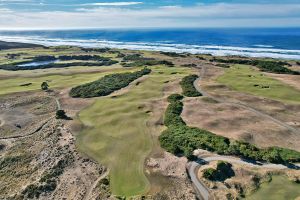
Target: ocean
[{"x": 281, "y": 43}]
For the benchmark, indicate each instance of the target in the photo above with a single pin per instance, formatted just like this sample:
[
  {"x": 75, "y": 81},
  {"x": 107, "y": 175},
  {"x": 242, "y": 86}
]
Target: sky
[{"x": 73, "y": 14}]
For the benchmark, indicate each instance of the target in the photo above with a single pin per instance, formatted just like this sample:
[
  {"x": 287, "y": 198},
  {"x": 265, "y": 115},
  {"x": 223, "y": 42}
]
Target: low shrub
[
  {"x": 187, "y": 85},
  {"x": 264, "y": 65},
  {"x": 107, "y": 84}
]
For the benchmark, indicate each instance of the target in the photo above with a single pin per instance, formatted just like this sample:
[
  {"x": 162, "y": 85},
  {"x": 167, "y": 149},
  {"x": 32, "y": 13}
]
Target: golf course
[{"x": 116, "y": 131}]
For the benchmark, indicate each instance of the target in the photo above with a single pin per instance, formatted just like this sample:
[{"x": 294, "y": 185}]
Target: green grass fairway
[
  {"x": 117, "y": 135},
  {"x": 279, "y": 188},
  {"x": 12, "y": 84},
  {"x": 243, "y": 78}
]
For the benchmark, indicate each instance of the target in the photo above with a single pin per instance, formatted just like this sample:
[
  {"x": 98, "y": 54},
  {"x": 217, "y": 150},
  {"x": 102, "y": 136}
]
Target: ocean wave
[
  {"x": 263, "y": 46},
  {"x": 216, "y": 50}
]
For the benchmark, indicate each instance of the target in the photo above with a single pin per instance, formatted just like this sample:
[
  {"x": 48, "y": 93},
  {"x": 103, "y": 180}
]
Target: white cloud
[
  {"x": 205, "y": 15},
  {"x": 113, "y": 3}
]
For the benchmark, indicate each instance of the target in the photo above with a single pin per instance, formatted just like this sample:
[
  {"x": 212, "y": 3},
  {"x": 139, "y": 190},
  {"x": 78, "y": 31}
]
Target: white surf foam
[{"x": 167, "y": 47}]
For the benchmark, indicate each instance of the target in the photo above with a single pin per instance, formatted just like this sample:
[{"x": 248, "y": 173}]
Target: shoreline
[{"x": 255, "y": 51}]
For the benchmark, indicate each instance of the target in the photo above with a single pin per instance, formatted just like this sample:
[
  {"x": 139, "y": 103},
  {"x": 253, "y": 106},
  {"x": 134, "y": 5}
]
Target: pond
[
  {"x": 280, "y": 188},
  {"x": 38, "y": 63}
]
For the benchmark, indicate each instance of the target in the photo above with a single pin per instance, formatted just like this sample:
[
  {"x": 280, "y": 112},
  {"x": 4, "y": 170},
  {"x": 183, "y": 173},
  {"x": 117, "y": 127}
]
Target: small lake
[
  {"x": 38, "y": 63},
  {"x": 280, "y": 188}
]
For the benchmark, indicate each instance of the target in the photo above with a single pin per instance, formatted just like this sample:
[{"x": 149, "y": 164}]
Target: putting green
[
  {"x": 246, "y": 79},
  {"x": 117, "y": 134}
]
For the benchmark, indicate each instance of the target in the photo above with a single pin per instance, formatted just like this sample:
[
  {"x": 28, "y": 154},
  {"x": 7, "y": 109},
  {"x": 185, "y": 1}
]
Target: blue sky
[{"x": 64, "y": 14}]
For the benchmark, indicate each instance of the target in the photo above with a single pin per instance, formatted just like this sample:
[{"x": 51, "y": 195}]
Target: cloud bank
[{"x": 113, "y": 15}]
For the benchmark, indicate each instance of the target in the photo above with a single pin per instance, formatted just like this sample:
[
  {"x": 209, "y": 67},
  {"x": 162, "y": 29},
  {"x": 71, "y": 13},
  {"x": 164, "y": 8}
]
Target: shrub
[
  {"x": 172, "y": 54},
  {"x": 174, "y": 97},
  {"x": 264, "y": 65},
  {"x": 107, "y": 84},
  {"x": 140, "y": 63},
  {"x": 44, "y": 86},
  {"x": 187, "y": 85},
  {"x": 209, "y": 173},
  {"x": 223, "y": 172},
  {"x": 61, "y": 114},
  {"x": 223, "y": 65}
]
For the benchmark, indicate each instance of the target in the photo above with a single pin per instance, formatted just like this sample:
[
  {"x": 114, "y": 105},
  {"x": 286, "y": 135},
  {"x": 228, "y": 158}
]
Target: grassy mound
[{"x": 107, "y": 84}]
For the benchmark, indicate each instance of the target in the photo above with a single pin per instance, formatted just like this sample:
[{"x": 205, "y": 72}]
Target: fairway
[
  {"x": 246, "y": 79},
  {"x": 279, "y": 188},
  {"x": 117, "y": 135},
  {"x": 12, "y": 84}
]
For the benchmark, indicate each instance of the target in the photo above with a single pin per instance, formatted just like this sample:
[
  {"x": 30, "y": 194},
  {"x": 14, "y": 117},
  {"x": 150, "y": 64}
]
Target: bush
[
  {"x": 223, "y": 172},
  {"x": 61, "y": 114},
  {"x": 187, "y": 85},
  {"x": 209, "y": 173},
  {"x": 107, "y": 84},
  {"x": 264, "y": 65},
  {"x": 147, "y": 62},
  {"x": 175, "y": 97},
  {"x": 223, "y": 65},
  {"x": 44, "y": 86},
  {"x": 172, "y": 54}
]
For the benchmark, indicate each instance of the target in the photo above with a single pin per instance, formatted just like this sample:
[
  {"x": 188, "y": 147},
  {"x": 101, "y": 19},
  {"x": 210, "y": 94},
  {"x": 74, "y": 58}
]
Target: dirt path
[
  {"x": 278, "y": 122},
  {"x": 93, "y": 186}
]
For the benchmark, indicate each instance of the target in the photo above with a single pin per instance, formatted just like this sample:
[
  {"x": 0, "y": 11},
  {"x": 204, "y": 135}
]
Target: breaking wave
[{"x": 166, "y": 46}]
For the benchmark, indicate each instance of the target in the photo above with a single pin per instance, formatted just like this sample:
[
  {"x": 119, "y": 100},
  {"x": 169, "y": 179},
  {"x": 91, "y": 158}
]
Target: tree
[
  {"x": 61, "y": 114},
  {"x": 44, "y": 86}
]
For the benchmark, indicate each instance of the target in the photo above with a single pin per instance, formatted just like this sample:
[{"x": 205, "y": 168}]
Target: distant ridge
[{"x": 15, "y": 45}]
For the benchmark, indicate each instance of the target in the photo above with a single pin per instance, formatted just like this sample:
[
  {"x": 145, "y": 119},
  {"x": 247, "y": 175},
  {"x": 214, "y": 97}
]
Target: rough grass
[
  {"x": 246, "y": 79},
  {"x": 117, "y": 135}
]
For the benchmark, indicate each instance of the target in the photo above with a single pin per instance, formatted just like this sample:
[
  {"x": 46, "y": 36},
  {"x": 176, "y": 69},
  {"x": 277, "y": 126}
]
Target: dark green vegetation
[
  {"x": 107, "y": 84},
  {"x": 135, "y": 57},
  {"x": 14, "y": 45},
  {"x": 277, "y": 67},
  {"x": 48, "y": 182},
  {"x": 222, "y": 65},
  {"x": 181, "y": 139},
  {"x": 83, "y": 57},
  {"x": 223, "y": 172},
  {"x": 147, "y": 62},
  {"x": 172, "y": 54},
  {"x": 189, "y": 65},
  {"x": 61, "y": 114},
  {"x": 44, "y": 86},
  {"x": 188, "y": 88},
  {"x": 137, "y": 60}
]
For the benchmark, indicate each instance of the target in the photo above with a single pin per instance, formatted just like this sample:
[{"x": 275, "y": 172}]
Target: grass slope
[
  {"x": 245, "y": 79},
  {"x": 117, "y": 135}
]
